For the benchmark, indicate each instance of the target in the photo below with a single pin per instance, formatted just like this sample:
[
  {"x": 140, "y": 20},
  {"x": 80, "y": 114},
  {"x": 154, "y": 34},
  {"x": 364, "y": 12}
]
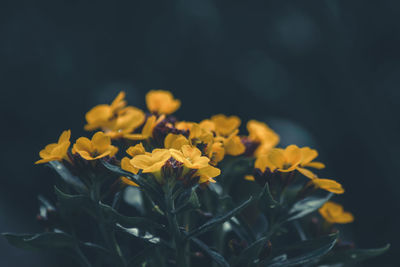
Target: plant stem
[{"x": 177, "y": 240}]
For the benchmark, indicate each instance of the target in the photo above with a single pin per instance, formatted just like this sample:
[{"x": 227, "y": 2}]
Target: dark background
[{"x": 322, "y": 73}]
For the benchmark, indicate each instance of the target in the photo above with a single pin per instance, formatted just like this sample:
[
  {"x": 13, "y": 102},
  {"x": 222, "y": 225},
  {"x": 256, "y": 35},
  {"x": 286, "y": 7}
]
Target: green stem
[
  {"x": 177, "y": 240},
  {"x": 109, "y": 236}
]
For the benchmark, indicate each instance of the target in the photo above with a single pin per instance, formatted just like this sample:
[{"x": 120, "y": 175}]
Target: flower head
[
  {"x": 225, "y": 125},
  {"x": 285, "y": 160},
  {"x": 100, "y": 115},
  {"x": 99, "y": 147},
  {"x": 151, "y": 162},
  {"x": 190, "y": 156},
  {"x": 56, "y": 151},
  {"x": 334, "y": 213},
  {"x": 147, "y": 130},
  {"x": 161, "y": 102},
  {"x": 260, "y": 133},
  {"x": 126, "y": 121}
]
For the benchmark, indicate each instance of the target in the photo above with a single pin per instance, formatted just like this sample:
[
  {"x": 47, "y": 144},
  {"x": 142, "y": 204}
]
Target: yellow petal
[
  {"x": 82, "y": 144},
  {"x": 175, "y": 141},
  {"x": 161, "y": 102},
  {"x": 249, "y": 178},
  {"x": 127, "y": 166},
  {"x": 293, "y": 155},
  {"x": 136, "y": 150},
  {"x": 234, "y": 146},
  {"x": 128, "y": 181},
  {"x": 262, "y": 162},
  {"x": 315, "y": 165},
  {"x": 306, "y": 173},
  {"x": 328, "y": 185},
  {"x": 119, "y": 101},
  {"x": 101, "y": 142},
  {"x": 277, "y": 158},
  {"x": 65, "y": 136},
  {"x": 308, "y": 154},
  {"x": 225, "y": 125}
]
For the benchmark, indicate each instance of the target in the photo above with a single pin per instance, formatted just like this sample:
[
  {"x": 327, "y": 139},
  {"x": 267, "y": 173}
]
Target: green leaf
[
  {"x": 250, "y": 254},
  {"x": 304, "y": 252},
  {"x": 306, "y": 206},
  {"x": 148, "y": 186},
  {"x": 129, "y": 222},
  {"x": 352, "y": 255},
  {"x": 266, "y": 201},
  {"x": 218, "y": 258},
  {"x": 74, "y": 203},
  {"x": 48, "y": 240},
  {"x": 219, "y": 219},
  {"x": 187, "y": 201},
  {"x": 67, "y": 176}
]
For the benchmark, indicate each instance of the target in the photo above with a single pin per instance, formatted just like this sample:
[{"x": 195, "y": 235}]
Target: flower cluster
[
  {"x": 181, "y": 180},
  {"x": 162, "y": 146}
]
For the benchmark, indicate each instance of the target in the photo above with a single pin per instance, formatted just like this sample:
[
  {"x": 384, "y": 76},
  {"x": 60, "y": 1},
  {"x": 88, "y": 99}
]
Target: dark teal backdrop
[{"x": 322, "y": 73}]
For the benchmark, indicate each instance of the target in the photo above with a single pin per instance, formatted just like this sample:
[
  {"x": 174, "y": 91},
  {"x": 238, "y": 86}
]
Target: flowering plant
[{"x": 150, "y": 190}]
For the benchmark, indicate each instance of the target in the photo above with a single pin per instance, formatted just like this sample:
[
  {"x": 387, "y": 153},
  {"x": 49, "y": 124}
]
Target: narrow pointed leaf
[
  {"x": 219, "y": 219},
  {"x": 129, "y": 222},
  {"x": 308, "y": 251},
  {"x": 218, "y": 258},
  {"x": 67, "y": 176},
  {"x": 250, "y": 254},
  {"x": 48, "y": 240},
  {"x": 352, "y": 255},
  {"x": 306, "y": 206},
  {"x": 74, "y": 203}
]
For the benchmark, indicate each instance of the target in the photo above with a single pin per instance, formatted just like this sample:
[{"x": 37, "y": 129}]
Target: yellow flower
[
  {"x": 233, "y": 144},
  {"x": 207, "y": 174},
  {"x": 99, "y": 147},
  {"x": 208, "y": 125},
  {"x": 125, "y": 122},
  {"x": 100, "y": 115},
  {"x": 56, "y": 151},
  {"x": 151, "y": 162},
  {"x": 161, "y": 102},
  {"x": 334, "y": 213},
  {"x": 147, "y": 131},
  {"x": 175, "y": 141},
  {"x": 328, "y": 185},
  {"x": 132, "y": 151},
  {"x": 285, "y": 160},
  {"x": 190, "y": 157},
  {"x": 262, "y": 163},
  {"x": 225, "y": 125},
  {"x": 216, "y": 153},
  {"x": 200, "y": 135},
  {"x": 260, "y": 132},
  {"x": 308, "y": 155}
]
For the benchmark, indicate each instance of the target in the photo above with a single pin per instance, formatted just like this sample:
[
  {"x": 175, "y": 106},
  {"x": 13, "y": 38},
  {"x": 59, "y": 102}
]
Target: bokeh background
[{"x": 322, "y": 73}]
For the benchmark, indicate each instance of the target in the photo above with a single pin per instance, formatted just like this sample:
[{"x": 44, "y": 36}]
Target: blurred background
[{"x": 321, "y": 73}]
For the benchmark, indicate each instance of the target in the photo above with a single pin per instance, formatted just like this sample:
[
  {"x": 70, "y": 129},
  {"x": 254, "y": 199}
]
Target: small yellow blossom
[
  {"x": 334, "y": 213},
  {"x": 190, "y": 156},
  {"x": 147, "y": 131},
  {"x": 99, "y": 147},
  {"x": 285, "y": 160},
  {"x": 126, "y": 121},
  {"x": 233, "y": 144},
  {"x": 151, "y": 162},
  {"x": 132, "y": 151},
  {"x": 161, "y": 102},
  {"x": 260, "y": 132},
  {"x": 328, "y": 185},
  {"x": 208, "y": 125},
  {"x": 56, "y": 151},
  {"x": 308, "y": 155},
  {"x": 225, "y": 125},
  {"x": 175, "y": 141},
  {"x": 100, "y": 115},
  {"x": 216, "y": 153}
]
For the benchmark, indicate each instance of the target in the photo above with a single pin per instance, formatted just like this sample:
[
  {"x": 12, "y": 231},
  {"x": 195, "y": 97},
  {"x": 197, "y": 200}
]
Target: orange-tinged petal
[
  {"x": 315, "y": 165},
  {"x": 328, "y": 185},
  {"x": 225, "y": 125},
  {"x": 161, "y": 102},
  {"x": 308, "y": 155},
  {"x": 207, "y": 173},
  {"x": 65, "y": 136},
  {"x": 82, "y": 144},
  {"x": 306, "y": 173},
  {"x": 175, "y": 141},
  {"x": 128, "y": 181},
  {"x": 249, "y": 178},
  {"x": 262, "y": 162},
  {"x": 127, "y": 166},
  {"x": 119, "y": 101},
  {"x": 293, "y": 155},
  {"x": 233, "y": 145},
  {"x": 138, "y": 149},
  {"x": 334, "y": 213},
  {"x": 101, "y": 142},
  {"x": 277, "y": 158},
  {"x": 208, "y": 125},
  {"x": 97, "y": 116}
]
